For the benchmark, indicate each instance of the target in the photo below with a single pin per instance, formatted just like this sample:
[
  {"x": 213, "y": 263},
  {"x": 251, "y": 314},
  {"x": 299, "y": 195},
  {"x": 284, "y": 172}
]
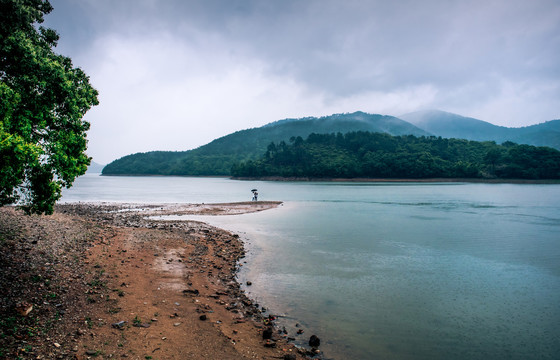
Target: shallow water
[{"x": 391, "y": 271}]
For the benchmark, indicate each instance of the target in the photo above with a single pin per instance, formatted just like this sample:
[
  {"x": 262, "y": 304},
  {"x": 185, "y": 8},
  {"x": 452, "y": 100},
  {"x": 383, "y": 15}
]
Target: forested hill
[
  {"x": 375, "y": 155},
  {"x": 217, "y": 157}
]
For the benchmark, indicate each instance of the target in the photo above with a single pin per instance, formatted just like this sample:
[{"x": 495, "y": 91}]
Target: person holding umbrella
[{"x": 255, "y": 194}]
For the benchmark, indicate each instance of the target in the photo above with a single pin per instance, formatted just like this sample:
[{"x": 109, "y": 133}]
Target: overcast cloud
[{"x": 175, "y": 74}]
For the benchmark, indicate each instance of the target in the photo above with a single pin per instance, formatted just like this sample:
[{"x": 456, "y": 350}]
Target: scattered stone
[
  {"x": 267, "y": 333},
  {"x": 192, "y": 292},
  {"x": 203, "y": 317},
  {"x": 119, "y": 325},
  {"x": 314, "y": 341},
  {"x": 91, "y": 352},
  {"x": 177, "y": 324},
  {"x": 290, "y": 357},
  {"x": 249, "y": 283},
  {"x": 270, "y": 343},
  {"x": 143, "y": 325},
  {"x": 24, "y": 308}
]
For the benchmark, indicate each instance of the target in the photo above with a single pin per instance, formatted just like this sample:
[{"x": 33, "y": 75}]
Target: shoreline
[
  {"x": 394, "y": 180},
  {"x": 373, "y": 180},
  {"x": 133, "y": 286}
]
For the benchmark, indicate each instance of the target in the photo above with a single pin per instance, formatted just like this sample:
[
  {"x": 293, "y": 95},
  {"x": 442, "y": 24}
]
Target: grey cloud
[
  {"x": 481, "y": 58},
  {"x": 350, "y": 46}
]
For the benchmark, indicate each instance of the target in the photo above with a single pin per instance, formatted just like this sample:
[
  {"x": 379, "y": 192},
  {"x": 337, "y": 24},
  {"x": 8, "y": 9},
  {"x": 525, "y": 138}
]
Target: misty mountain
[
  {"x": 95, "y": 168},
  {"x": 448, "y": 125},
  {"x": 217, "y": 157}
]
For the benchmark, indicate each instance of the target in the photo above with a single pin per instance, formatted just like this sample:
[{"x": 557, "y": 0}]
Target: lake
[{"x": 389, "y": 270}]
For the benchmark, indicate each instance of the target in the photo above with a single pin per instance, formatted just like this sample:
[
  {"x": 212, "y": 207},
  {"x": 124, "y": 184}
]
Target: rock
[
  {"x": 193, "y": 292},
  {"x": 270, "y": 343},
  {"x": 119, "y": 325},
  {"x": 203, "y": 317},
  {"x": 314, "y": 341},
  {"x": 144, "y": 325},
  {"x": 290, "y": 357},
  {"x": 267, "y": 333},
  {"x": 91, "y": 352},
  {"x": 24, "y": 308},
  {"x": 249, "y": 283}
]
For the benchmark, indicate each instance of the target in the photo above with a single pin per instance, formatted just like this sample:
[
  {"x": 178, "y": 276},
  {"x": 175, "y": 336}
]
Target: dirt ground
[{"x": 103, "y": 281}]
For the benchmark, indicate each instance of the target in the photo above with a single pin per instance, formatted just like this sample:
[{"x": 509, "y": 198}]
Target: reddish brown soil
[{"x": 88, "y": 268}]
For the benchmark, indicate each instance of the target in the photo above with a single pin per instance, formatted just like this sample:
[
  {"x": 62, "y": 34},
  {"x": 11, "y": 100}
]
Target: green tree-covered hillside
[
  {"x": 217, "y": 157},
  {"x": 375, "y": 155}
]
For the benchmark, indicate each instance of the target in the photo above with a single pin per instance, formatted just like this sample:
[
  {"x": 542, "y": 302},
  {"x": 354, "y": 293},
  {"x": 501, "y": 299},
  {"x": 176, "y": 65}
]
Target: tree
[
  {"x": 492, "y": 157},
  {"x": 43, "y": 100}
]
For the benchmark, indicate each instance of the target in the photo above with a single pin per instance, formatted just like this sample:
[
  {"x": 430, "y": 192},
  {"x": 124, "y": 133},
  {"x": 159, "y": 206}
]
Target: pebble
[{"x": 177, "y": 324}]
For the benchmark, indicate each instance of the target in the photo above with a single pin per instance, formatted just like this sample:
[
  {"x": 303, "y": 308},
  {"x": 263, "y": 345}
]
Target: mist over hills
[
  {"x": 218, "y": 156},
  {"x": 95, "y": 168},
  {"x": 449, "y": 125}
]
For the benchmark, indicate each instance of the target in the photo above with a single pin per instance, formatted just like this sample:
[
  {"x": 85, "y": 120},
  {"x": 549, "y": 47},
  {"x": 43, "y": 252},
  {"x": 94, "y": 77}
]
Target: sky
[{"x": 176, "y": 74}]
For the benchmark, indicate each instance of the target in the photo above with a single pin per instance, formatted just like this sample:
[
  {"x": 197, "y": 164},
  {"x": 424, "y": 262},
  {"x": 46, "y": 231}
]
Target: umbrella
[{"x": 254, "y": 190}]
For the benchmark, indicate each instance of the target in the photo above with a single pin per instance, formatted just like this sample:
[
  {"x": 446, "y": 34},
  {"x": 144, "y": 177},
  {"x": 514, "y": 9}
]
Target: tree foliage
[
  {"x": 218, "y": 156},
  {"x": 376, "y": 155},
  {"x": 43, "y": 99}
]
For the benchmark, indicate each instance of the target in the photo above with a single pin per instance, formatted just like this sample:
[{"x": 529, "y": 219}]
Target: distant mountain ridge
[
  {"x": 449, "y": 125},
  {"x": 95, "y": 168},
  {"x": 218, "y": 156}
]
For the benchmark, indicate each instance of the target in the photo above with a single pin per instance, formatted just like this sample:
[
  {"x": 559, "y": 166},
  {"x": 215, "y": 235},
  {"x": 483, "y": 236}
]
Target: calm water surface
[{"x": 390, "y": 271}]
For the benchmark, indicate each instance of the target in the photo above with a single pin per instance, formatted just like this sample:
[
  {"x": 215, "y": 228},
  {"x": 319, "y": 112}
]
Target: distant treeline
[{"x": 377, "y": 155}]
